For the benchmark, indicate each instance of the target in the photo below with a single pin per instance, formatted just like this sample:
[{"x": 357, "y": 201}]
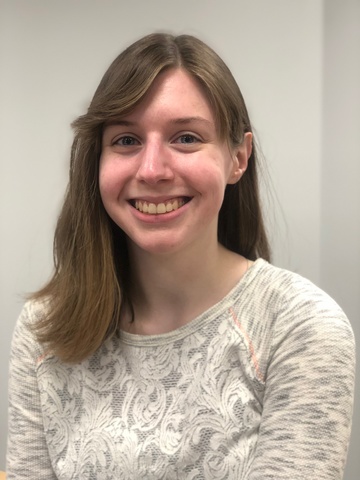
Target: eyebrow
[
  {"x": 176, "y": 121},
  {"x": 125, "y": 123},
  {"x": 185, "y": 120}
]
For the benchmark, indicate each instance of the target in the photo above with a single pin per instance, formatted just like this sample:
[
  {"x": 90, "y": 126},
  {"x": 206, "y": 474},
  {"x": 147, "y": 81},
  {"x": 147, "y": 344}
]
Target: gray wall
[
  {"x": 297, "y": 62},
  {"x": 340, "y": 176}
]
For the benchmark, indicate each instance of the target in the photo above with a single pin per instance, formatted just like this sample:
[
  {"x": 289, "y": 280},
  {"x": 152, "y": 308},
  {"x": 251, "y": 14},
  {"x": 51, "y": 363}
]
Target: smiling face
[{"x": 163, "y": 169}]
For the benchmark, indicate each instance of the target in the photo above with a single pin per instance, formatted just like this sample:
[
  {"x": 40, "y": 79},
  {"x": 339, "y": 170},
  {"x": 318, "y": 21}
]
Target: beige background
[{"x": 298, "y": 65}]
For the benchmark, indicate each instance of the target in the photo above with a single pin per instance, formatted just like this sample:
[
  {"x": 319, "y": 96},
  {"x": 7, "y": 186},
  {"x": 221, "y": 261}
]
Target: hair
[{"x": 90, "y": 283}]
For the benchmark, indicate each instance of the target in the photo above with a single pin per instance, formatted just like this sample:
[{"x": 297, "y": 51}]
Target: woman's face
[{"x": 163, "y": 169}]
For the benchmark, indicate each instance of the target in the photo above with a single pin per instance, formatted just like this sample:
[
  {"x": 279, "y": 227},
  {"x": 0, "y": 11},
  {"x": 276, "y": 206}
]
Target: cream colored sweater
[{"x": 258, "y": 387}]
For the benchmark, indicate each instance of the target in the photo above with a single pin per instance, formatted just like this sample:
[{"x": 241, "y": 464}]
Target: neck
[{"x": 170, "y": 290}]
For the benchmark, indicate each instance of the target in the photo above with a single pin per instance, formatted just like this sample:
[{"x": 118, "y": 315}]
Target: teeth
[
  {"x": 160, "y": 208},
  {"x": 152, "y": 208}
]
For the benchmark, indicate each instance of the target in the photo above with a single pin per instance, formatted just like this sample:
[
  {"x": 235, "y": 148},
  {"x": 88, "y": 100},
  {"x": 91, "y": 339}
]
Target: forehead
[{"x": 174, "y": 92}]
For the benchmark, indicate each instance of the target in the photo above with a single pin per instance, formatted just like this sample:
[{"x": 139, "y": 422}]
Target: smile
[{"x": 160, "y": 208}]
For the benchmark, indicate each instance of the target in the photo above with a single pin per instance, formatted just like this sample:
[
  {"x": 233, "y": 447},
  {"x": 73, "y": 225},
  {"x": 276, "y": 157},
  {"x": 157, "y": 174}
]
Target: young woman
[{"x": 165, "y": 345}]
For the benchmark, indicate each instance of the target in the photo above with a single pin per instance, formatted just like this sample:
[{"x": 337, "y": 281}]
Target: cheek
[
  {"x": 109, "y": 195},
  {"x": 104, "y": 179},
  {"x": 109, "y": 184},
  {"x": 104, "y": 187},
  {"x": 213, "y": 179}
]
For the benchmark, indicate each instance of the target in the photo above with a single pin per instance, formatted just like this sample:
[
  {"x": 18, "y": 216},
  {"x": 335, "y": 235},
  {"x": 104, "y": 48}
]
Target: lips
[{"x": 160, "y": 208}]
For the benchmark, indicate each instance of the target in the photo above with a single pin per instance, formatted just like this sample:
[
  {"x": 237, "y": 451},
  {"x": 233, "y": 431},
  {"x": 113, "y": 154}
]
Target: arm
[
  {"x": 306, "y": 420},
  {"x": 27, "y": 452}
]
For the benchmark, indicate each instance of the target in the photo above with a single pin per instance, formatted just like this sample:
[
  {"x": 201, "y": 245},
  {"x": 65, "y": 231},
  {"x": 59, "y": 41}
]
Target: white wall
[
  {"x": 340, "y": 175},
  {"x": 53, "y": 54}
]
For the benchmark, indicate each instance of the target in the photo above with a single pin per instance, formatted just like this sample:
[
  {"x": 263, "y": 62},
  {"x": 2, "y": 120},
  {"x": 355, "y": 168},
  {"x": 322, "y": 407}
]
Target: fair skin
[{"x": 163, "y": 173}]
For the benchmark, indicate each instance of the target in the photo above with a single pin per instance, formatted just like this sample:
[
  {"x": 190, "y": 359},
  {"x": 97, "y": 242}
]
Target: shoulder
[
  {"x": 283, "y": 291},
  {"x": 24, "y": 341},
  {"x": 32, "y": 312},
  {"x": 286, "y": 302}
]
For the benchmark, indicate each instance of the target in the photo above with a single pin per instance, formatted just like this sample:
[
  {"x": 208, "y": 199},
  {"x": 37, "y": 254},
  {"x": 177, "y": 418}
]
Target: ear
[{"x": 241, "y": 155}]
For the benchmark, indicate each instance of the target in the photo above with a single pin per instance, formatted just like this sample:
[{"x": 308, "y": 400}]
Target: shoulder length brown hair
[{"x": 89, "y": 286}]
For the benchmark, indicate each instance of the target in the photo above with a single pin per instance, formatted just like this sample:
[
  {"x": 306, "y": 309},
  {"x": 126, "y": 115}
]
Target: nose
[{"x": 154, "y": 163}]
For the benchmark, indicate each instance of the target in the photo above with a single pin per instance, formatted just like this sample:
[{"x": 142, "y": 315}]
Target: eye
[
  {"x": 187, "y": 139},
  {"x": 127, "y": 141}
]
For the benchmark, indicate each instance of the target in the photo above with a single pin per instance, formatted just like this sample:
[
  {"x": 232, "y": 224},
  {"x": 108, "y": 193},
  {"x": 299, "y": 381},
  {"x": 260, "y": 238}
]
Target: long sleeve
[
  {"x": 27, "y": 452},
  {"x": 258, "y": 387},
  {"x": 306, "y": 419}
]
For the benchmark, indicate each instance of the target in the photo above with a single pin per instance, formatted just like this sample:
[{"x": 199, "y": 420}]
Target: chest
[{"x": 186, "y": 410}]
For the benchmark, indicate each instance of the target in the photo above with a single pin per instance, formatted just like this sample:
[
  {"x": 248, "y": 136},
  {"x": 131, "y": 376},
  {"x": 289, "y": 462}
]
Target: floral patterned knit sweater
[{"x": 258, "y": 387}]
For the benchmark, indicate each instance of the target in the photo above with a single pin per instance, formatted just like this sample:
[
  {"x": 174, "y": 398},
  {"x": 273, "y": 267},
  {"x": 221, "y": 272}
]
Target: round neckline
[{"x": 206, "y": 316}]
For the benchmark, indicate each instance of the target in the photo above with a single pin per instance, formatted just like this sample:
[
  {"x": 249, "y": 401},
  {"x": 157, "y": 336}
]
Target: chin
[
  {"x": 163, "y": 246},
  {"x": 157, "y": 249}
]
